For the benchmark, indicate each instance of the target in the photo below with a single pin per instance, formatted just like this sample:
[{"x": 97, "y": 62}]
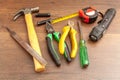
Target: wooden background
[{"x": 17, "y": 64}]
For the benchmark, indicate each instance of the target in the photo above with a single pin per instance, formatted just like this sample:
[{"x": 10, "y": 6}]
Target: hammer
[{"x": 31, "y": 33}]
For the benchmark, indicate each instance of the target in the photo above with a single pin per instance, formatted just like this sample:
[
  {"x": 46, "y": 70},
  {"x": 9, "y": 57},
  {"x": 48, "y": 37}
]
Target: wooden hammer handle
[{"x": 33, "y": 41}]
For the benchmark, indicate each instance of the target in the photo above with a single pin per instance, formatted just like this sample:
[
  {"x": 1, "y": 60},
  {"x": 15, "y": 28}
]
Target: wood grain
[{"x": 17, "y": 64}]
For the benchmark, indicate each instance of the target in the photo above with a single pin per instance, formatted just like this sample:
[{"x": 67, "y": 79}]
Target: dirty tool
[
  {"x": 31, "y": 33},
  {"x": 26, "y": 46}
]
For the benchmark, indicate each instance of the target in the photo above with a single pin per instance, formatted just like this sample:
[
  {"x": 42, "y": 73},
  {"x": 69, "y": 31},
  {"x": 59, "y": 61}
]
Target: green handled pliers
[{"x": 56, "y": 35}]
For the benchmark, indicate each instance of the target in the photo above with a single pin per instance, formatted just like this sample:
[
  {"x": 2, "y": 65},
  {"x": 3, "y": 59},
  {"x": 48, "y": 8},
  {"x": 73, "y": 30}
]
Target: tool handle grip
[
  {"x": 107, "y": 18},
  {"x": 62, "y": 39},
  {"x": 52, "y": 51},
  {"x": 43, "y": 22},
  {"x": 43, "y": 15},
  {"x": 67, "y": 51},
  {"x": 73, "y": 33},
  {"x": 33, "y": 41},
  {"x": 83, "y": 54}
]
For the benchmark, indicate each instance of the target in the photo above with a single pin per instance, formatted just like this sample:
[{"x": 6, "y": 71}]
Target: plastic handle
[
  {"x": 33, "y": 41},
  {"x": 83, "y": 54},
  {"x": 66, "y": 30},
  {"x": 52, "y": 51},
  {"x": 74, "y": 42},
  {"x": 67, "y": 51}
]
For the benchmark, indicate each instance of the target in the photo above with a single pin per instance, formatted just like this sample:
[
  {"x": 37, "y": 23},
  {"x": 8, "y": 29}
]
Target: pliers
[
  {"x": 72, "y": 32},
  {"x": 56, "y": 35}
]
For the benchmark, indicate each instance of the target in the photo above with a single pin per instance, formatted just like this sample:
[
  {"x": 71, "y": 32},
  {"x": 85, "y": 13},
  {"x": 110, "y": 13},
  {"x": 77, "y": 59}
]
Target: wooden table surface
[{"x": 17, "y": 64}]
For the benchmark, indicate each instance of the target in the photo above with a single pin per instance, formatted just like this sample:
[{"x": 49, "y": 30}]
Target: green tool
[
  {"x": 56, "y": 35},
  {"x": 83, "y": 50}
]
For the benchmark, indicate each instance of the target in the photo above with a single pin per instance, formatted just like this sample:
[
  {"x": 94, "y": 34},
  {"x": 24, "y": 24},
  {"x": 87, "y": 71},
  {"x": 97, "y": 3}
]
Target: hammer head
[{"x": 25, "y": 11}]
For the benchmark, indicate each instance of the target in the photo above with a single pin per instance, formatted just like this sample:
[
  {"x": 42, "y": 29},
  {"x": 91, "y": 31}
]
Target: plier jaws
[{"x": 49, "y": 28}]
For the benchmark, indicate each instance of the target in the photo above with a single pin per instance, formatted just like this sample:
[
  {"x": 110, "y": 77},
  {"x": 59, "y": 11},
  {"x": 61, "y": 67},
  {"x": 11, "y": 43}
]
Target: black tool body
[
  {"x": 97, "y": 32},
  {"x": 43, "y": 15}
]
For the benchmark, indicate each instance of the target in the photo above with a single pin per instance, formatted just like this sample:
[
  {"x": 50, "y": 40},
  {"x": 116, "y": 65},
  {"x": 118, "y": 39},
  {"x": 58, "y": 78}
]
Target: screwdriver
[{"x": 83, "y": 49}]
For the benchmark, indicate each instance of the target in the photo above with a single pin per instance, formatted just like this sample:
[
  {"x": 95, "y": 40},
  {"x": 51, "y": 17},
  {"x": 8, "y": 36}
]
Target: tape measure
[
  {"x": 87, "y": 15},
  {"x": 64, "y": 18}
]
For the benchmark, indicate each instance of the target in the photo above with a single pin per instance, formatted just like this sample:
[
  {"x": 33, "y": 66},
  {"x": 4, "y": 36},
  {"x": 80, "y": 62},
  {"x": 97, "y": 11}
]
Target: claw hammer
[{"x": 31, "y": 33}]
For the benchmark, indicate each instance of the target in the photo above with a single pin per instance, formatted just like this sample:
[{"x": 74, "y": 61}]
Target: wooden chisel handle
[{"x": 33, "y": 41}]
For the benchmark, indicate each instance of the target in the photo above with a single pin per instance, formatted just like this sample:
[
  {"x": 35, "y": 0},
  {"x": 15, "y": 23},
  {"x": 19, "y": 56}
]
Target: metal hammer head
[{"x": 25, "y": 11}]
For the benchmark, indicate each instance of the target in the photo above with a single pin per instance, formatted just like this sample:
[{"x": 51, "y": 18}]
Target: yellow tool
[
  {"x": 64, "y": 17},
  {"x": 31, "y": 33},
  {"x": 87, "y": 15},
  {"x": 72, "y": 32},
  {"x": 53, "y": 21}
]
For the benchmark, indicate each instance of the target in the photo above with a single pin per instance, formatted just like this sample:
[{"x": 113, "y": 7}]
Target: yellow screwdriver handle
[
  {"x": 65, "y": 31},
  {"x": 33, "y": 41},
  {"x": 72, "y": 34}
]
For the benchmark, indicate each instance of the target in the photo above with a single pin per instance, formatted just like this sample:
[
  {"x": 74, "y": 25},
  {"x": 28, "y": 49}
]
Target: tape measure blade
[{"x": 64, "y": 18}]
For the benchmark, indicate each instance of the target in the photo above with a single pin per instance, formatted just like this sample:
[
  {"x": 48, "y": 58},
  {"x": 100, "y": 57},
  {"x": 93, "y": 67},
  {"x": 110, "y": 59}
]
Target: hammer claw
[
  {"x": 25, "y": 11},
  {"x": 18, "y": 14}
]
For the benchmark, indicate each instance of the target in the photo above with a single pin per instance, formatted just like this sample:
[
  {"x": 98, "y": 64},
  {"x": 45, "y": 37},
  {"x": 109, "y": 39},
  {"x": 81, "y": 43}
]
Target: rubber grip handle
[
  {"x": 83, "y": 54},
  {"x": 33, "y": 41},
  {"x": 66, "y": 30},
  {"x": 52, "y": 51},
  {"x": 67, "y": 51},
  {"x": 43, "y": 15},
  {"x": 73, "y": 42}
]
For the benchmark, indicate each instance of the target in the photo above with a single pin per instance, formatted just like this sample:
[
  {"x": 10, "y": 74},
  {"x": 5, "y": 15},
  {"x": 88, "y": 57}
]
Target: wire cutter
[
  {"x": 56, "y": 35},
  {"x": 72, "y": 32}
]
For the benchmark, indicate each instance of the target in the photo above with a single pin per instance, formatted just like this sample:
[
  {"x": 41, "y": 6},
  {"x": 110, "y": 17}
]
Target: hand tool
[
  {"x": 72, "y": 32},
  {"x": 42, "y": 15},
  {"x": 56, "y": 35},
  {"x": 83, "y": 49},
  {"x": 87, "y": 15},
  {"x": 26, "y": 46},
  {"x": 98, "y": 31},
  {"x": 31, "y": 33}
]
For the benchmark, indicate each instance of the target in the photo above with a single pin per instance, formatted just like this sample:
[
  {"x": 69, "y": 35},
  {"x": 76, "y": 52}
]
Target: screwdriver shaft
[{"x": 83, "y": 49}]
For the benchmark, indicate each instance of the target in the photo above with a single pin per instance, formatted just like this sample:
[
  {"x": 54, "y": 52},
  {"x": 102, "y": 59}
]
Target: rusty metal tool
[
  {"x": 31, "y": 33},
  {"x": 26, "y": 46}
]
